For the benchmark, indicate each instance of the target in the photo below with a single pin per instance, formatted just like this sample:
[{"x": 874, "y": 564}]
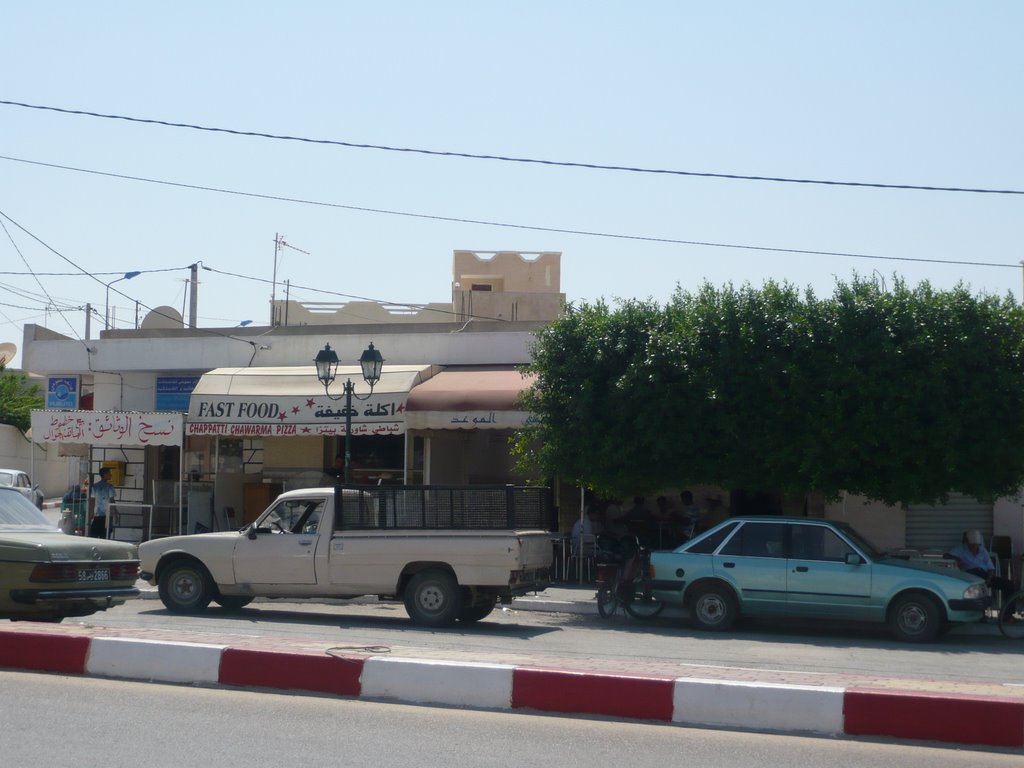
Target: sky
[{"x": 893, "y": 93}]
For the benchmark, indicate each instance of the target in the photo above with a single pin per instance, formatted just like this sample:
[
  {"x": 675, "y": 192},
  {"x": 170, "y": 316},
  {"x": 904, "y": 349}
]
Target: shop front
[
  {"x": 462, "y": 420},
  {"x": 133, "y": 445},
  {"x": 254, "y": 432}
]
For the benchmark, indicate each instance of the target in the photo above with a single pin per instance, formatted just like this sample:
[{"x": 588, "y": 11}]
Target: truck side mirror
[{"x": 852, "y": 558}]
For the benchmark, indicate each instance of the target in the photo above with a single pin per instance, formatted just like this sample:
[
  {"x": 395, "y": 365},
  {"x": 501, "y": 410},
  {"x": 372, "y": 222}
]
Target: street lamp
[
  {"x": 327, "y": 367},
  {"x": 106, "y": 312}
]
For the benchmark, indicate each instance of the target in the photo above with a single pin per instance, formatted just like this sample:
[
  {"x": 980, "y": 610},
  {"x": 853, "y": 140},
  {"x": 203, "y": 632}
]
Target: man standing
[{"x": 100, "y": 496}]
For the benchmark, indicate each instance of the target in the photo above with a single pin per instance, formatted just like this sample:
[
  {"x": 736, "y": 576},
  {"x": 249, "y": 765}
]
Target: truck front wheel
[
  {"x": 432, "y": 599},
  {"x": 184, "y": 587}
]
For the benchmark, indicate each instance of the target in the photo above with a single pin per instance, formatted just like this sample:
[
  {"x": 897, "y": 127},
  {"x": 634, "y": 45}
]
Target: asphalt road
[
  {"x": 56, "y": 720},
  {"x": 518, "y": 636}
]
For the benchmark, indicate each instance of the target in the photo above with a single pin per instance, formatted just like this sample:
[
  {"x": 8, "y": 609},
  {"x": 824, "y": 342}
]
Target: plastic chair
[
  {"x": 1002, "y": 548},
  {"x": 581, "y": 556}
]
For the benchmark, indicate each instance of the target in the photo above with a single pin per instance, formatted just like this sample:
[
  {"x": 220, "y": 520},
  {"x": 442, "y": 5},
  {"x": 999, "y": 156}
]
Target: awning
[
  {"x": 469, "y": 397},
  {"x": 290, "y": 401}
]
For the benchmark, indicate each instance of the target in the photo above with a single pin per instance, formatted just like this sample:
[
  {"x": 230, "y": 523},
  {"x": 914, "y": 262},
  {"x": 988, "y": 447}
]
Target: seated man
[{"x": 972, "y": 557}]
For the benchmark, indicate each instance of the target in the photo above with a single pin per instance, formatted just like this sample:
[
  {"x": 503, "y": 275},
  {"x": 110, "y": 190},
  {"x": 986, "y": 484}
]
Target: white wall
[{"x": 53, "y": 474}]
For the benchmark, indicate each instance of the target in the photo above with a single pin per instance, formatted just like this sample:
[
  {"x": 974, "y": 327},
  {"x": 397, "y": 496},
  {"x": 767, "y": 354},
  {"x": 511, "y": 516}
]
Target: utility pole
[
  {"x": 88, "y": 319},
  {"x": 279, "y": 243},
  {"x": 193, "y": 296}
]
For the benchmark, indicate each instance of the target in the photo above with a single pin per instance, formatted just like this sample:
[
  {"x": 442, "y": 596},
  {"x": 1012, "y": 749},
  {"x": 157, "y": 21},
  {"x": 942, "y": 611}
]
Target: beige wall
[
  {"x": 511, "y": 271},
  {"x": 881, "y": 524}
]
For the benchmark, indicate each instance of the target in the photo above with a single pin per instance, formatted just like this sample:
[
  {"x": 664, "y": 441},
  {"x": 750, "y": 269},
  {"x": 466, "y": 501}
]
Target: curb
[{"x": 742, "y": 705}]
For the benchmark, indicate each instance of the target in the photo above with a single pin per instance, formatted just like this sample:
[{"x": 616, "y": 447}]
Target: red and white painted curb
[{"x": 832, "y": 711}]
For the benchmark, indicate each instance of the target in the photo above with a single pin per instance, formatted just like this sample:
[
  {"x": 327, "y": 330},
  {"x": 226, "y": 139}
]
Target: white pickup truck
[{"x": 448, "y": 554}]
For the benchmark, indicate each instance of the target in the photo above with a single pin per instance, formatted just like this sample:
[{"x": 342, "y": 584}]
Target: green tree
[
  {"x": 900, "y": 395},
  {"x": 18, "y": 396}
]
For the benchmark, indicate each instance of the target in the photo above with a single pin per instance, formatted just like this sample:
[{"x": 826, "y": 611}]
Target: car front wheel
[
  {"x": 184, "y": 587},
  {"x": 916, "y": 618}
]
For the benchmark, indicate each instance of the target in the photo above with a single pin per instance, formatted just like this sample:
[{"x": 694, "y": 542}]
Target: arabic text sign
[
  {"x": 107, "y": 427},
  {"x": 293, "y": 430},
  {"x": 287, "y": 410}
]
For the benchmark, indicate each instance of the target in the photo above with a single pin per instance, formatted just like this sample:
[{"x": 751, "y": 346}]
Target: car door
[
  {"x": 281, "y": 547},
  {"x": 820, "y": 582},
  {"x": 754, "y": 561}
]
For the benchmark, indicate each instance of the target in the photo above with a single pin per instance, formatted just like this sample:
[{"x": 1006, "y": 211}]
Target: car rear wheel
[
  {"x": 184, "y": 587},
  {"x": 714, "y": 608},
  {"x": 232, "y": 602},
  {"x": 916, "y": 618},
  {"x": 432, "y": 599}
]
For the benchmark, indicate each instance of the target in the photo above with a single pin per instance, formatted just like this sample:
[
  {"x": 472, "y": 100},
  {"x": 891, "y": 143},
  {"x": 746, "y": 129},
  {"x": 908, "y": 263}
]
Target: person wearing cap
[{"x": 972, "y": 557}]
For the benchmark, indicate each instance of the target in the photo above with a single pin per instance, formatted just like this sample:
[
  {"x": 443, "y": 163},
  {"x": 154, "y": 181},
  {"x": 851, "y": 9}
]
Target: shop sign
[
  {"x": 173, "y": 392},
  {"x": 105, "y": 428},
  {"x": 284, "y": 415},
  {"x": 62, "y": 391}
]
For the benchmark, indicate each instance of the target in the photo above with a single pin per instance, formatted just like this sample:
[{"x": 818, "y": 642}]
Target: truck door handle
[
  {"x": 801, "y": 569},
  {"x": 728, "y": 565},
  {"x": 305, "y": 543}
]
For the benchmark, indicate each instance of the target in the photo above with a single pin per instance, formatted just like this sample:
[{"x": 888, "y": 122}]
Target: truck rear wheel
[
  {"x": 432, "y": 599},
  {"x": 480, "y": 610}
]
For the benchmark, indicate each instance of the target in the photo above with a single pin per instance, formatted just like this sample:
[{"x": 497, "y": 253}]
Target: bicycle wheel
[
  {"x": 606, "y": 603},
  {"x": 643, "y": 604},
  {"x": 1011, "y": 617}
]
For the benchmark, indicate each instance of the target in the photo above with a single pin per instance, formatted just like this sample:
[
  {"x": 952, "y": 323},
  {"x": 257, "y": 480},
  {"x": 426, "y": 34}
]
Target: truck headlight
[{"x": 976, "y": 591}]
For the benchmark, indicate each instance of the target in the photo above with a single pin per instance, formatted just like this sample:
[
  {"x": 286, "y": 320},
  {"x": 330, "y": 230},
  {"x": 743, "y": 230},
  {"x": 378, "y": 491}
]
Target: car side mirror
[
  {"x": 852, "y": 558},
  {"x": 251, "y": 533}
]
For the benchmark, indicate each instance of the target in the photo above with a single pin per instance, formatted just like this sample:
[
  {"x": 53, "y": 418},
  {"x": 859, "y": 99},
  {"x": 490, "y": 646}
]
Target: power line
[
  {"x": 509, "y": 159},
  {"x": 506, "y": 225}
]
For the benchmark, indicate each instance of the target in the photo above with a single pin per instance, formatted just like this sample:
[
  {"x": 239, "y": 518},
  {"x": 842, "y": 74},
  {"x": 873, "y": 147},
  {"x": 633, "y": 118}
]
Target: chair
[
  {"x": 1002, "y": 548},
  {"x": 581, "y": 556}
]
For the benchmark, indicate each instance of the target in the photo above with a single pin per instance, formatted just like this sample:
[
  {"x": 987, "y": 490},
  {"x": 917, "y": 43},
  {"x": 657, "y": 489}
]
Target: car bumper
[
  {"x": 99, "y": 596},
  {"x": 975, "y": 606}
]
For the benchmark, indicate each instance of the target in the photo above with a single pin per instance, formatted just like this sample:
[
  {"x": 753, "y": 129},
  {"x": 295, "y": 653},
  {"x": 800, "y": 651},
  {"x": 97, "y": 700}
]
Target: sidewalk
[{"x": 745, "y": 699}]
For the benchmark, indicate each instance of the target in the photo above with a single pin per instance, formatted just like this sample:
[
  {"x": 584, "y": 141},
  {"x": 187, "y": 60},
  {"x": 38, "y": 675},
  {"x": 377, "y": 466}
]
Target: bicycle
[
  {"x": 1011, "y": 616},
  {"x": 622, "y": 579}
]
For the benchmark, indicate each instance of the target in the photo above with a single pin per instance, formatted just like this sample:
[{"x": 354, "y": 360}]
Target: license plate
[{"x": 94, "y": 574}]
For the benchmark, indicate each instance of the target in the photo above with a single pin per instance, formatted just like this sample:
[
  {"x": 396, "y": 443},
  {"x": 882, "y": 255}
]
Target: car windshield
[
  {"x": 19, "y": 514},
  {"x": 859, "y": 541}
]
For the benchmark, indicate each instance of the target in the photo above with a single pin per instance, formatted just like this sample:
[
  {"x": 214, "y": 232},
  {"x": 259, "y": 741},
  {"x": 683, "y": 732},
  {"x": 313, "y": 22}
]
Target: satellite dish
[
  {"x": 162, "y": 318},
  {"x": 7, "y": 352}
]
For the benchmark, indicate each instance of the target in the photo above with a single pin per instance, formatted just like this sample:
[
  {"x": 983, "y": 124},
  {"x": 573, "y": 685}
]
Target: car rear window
[
  {"x": 710, "y": 543},
  {"x": 758, "y": 540}
]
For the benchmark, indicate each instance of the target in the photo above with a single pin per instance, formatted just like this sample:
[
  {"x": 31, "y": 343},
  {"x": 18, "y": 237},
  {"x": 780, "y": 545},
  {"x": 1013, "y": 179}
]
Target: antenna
[
  {"x": 279, "y": 243},
  {"x": 7, "y": 352}
]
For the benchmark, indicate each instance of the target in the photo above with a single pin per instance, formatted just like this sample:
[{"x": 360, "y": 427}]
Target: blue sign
[
  {"x": 62, "y": 392},
  {"x": 173, "y": 392}
]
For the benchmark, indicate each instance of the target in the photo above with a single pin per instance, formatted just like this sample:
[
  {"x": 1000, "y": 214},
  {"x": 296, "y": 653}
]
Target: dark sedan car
[{"x": 46, "y": 575}]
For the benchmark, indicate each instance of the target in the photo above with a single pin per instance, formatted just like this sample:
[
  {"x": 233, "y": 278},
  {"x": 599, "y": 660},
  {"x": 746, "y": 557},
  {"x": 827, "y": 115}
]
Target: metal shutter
[{"x": 939, "y": 527}]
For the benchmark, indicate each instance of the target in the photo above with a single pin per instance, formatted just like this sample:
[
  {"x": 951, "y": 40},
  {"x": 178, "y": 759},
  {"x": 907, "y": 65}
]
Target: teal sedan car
[{"x": 810, "y": 568}]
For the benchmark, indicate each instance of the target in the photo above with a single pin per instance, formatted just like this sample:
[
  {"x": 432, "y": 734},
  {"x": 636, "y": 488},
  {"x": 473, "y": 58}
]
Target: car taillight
[
  {"x": 125, "y": 570},
  {"x": 53, "y": 572}
]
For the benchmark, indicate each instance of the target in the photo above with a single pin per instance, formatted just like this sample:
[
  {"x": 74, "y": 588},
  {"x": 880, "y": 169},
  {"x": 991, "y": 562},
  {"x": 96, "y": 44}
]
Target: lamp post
[
  {"x": 106, "y": 312},
  {"x": 327, "y": 367}
]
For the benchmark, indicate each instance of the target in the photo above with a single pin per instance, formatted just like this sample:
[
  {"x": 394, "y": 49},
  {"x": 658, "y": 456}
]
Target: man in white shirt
[{"x": 972, "y": 557}]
